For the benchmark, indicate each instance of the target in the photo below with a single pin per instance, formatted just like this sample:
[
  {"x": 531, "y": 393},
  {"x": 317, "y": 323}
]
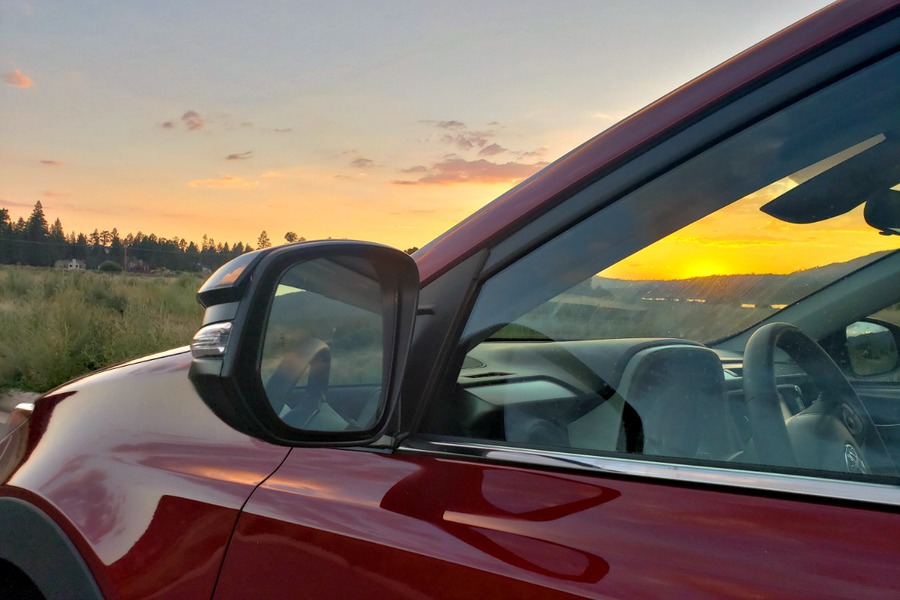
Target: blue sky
[{"x": 386, "y": 121}]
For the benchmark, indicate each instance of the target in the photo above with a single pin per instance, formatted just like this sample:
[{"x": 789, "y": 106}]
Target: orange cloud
[
  {"x": 225, "y": 182},
  {"x": 18, "y": 79},
  {"x": 459, "y": 170},
  {"x": 52, "y": 163}
]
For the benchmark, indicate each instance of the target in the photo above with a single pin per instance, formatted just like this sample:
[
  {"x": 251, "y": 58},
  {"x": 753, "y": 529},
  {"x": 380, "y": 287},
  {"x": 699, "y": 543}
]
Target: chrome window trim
[{"x": 833, "y": 489}]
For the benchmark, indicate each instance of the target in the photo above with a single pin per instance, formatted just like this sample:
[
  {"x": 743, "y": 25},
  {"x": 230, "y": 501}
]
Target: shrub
[{"x": 110, "y": 266}]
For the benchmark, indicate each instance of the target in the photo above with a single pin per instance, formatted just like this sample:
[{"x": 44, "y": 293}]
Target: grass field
[{"x": 56, "y": 325}]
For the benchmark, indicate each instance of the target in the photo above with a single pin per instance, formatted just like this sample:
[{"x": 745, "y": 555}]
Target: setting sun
[{"x": 701, "y": 267}]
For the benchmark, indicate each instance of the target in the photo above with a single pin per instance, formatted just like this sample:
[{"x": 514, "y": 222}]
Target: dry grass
[{"x": 56, "y": 325}]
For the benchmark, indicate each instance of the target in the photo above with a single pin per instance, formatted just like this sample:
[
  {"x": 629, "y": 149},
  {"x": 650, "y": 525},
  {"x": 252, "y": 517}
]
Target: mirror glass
[
  {"x": 871, "y": 349},
  {"x": 322, "y": 357}
]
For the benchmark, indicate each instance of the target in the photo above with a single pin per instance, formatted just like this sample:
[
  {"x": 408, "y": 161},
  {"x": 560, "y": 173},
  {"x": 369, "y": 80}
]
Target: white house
[{"x": 71, "y": 264}]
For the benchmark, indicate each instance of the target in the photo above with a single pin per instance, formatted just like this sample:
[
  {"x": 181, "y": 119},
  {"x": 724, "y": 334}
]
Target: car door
[{"x": 573, "y": 428}]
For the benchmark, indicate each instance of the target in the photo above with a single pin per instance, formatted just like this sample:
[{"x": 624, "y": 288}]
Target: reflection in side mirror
[
  {"x": 322, "y": 360},
  {"x": 872, "y": 349},
  {"x": 306, "y": 345}
]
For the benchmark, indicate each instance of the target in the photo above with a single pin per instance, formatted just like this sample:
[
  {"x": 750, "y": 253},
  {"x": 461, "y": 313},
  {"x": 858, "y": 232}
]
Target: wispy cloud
[
  {"x": 240, "y": 156},
  {"x": 90, "y": 207},
  {"x": 492, "y": 149},
  {"x": 475, "y": 160},
  {"x": 467, "y": 140},
  {"x": 54, "y": 194},
  {"x": 459, "y": 170},
  {"x": 480, "y": 142},
  {"x": 52, "y": 163},
  {"x": 461, "y": 136},
  {"x": 5, "y": 203},
  {"x": 192, "y": 121},
  {"x": 604, "y": 116},
  {"x": 535, "y": 153},
  {"x": 18, "y": 79},
  {"x": 224, "y": 182},
  {"x": 363, "y": 163}
]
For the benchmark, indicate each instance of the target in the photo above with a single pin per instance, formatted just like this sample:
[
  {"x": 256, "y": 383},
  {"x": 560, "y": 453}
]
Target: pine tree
[
  {"x": 263, "y": 241},
  {"x": 36, "y": 227},
  {"x": 56, "y": 231},
  {"x": 37, "y": 252},
  {"x": 6, "y": 241}
]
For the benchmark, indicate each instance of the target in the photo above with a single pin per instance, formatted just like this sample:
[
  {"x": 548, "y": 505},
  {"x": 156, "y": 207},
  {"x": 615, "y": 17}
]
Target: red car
[{"x": 666, "y": 366}]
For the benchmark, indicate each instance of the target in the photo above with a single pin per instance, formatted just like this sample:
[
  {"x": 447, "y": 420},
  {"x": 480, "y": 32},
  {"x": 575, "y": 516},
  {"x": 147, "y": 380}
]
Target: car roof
[{"x": 648, "y": 127}]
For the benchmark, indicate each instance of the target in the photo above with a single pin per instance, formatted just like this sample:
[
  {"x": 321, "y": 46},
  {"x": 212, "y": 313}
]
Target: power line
[{"x": 93, "y": 247}]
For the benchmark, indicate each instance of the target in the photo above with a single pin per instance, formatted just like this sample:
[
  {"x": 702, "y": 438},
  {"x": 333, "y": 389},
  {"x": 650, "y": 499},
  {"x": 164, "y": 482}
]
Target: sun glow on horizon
[{"x": 742, "y": 240}]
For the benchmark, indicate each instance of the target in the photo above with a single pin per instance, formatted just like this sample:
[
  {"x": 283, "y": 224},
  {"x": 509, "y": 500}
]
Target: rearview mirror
[{"x": 306, "y": 344}]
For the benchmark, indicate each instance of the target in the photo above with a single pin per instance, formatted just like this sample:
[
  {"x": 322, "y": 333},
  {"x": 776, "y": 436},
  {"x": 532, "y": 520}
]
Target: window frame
[{"x": 670, "y": 149}]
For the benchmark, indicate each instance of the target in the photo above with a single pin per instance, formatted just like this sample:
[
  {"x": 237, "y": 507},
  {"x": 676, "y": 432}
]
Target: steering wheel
[
  {"x": 312, "y": 355},
  {"x": 835, "y": 433}
]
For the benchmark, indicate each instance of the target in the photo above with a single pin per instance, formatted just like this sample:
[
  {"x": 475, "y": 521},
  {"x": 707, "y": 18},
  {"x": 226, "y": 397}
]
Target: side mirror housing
[
  {"x": 306, "y": 344},
  {"x": 872, "y": 347}
]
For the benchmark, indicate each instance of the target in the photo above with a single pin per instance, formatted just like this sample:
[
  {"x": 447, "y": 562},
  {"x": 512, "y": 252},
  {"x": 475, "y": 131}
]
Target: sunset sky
[
  {"x": 741, "y": 238},
  {"x": 385, "y": 121}
]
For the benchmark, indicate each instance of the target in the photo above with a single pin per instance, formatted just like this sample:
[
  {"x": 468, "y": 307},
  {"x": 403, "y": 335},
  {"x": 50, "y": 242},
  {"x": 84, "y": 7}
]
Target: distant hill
[{"x": 755, "y": 289}]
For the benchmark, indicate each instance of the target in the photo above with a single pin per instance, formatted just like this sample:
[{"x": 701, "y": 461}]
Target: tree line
[{"x": 36, "y": 243}]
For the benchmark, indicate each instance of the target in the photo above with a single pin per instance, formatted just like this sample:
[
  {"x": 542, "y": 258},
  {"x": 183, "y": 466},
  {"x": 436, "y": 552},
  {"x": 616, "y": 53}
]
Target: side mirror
[
  {"x": 872, "y": 348},
  {"x": 306, "y": 344}
]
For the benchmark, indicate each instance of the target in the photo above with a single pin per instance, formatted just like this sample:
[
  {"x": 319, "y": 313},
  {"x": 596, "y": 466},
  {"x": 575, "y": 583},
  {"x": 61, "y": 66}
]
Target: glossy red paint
[
  {"x": 146, "y": 481},
  {"x": 646, "y": 128},
  {"x": 424, "y": 527}
]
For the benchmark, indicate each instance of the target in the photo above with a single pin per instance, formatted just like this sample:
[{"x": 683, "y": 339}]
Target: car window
[{"x": 606, "y": 339}]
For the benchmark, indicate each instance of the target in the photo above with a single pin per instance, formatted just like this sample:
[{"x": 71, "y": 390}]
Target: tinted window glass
[{"x": 605, "y": 338}]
